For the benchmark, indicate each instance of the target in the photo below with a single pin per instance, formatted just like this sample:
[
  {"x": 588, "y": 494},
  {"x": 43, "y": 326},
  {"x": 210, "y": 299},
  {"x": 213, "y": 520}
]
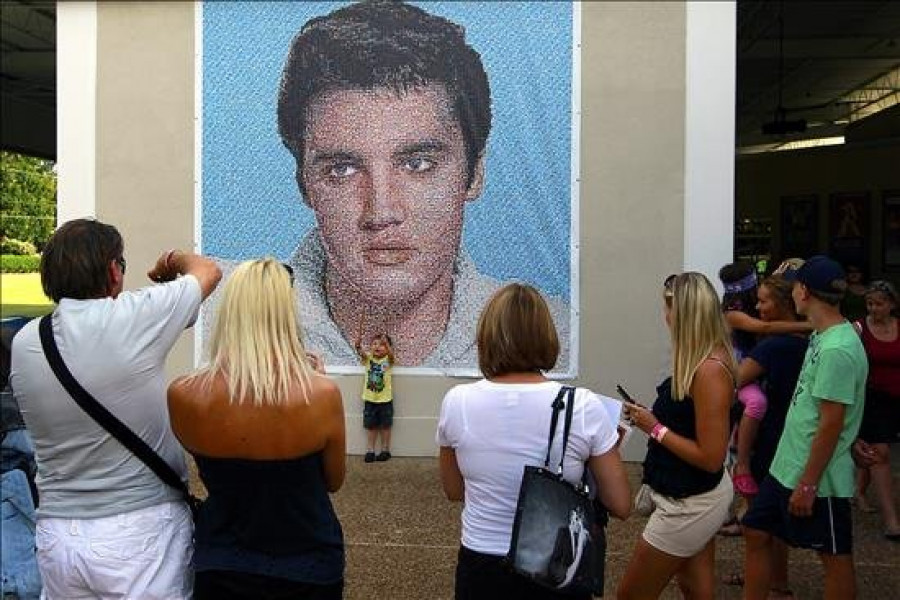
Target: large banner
[{"x": 406, "y": 160}]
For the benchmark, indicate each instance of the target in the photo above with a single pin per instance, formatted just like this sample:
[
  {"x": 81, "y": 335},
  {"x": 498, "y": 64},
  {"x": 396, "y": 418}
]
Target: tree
[{"x": 28, "y": 193}]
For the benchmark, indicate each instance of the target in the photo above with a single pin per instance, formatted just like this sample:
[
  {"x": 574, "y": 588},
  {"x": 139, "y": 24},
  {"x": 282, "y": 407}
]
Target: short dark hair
[
  {"x": 75, "y": 261},
  {"x": 516, "y": 333},
  {"x": 384, "y": 44}
]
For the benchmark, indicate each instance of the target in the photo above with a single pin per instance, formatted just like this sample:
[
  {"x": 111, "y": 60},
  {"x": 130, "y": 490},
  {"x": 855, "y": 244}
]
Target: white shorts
[
  {"x": 682, "y": 527},
  {"x": 143, "y": 554}
]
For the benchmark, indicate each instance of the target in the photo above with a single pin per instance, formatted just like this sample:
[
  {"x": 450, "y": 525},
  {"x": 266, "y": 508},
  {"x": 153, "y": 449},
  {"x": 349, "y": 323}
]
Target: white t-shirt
[
  {"x": 116, "y": 349},
  {"x": 496, "y": 430}
]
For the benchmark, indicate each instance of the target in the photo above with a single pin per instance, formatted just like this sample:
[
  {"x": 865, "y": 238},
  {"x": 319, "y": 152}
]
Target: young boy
[
  {"x": 805, "y": 499},
  {"x": 378, "y": 412}
]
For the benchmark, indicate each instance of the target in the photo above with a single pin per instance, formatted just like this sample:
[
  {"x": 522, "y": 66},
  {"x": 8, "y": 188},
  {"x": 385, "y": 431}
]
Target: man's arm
[
  {"x": 451, "y": 477},
  {"x": 831, "y": 423},
  {"x": 173, "y": 263}
]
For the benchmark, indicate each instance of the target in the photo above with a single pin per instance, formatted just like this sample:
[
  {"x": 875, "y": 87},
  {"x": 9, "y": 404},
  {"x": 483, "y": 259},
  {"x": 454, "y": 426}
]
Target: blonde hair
[
  {"x": 698, "y": 328},
  {"x": 516, "y": 333},
  {"x": 256, "y": 341}
]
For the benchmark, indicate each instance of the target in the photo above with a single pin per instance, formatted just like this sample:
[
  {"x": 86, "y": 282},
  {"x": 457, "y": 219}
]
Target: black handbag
[
  {"x": 555, "y": 532},
  {"x": 107, "y": 420}
]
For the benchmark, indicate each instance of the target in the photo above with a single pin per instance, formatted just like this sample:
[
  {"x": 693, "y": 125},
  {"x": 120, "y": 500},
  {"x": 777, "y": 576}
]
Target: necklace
[{"x": 883, "y": 329}]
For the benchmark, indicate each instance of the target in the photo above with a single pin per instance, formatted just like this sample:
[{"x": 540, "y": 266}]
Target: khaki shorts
[{"x": 682, "y": 527}]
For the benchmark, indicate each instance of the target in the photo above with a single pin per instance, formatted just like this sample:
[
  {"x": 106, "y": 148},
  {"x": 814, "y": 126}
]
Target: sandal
[
  {"x": 735, "y": 579},
  {"x": 745, "y": 485}
]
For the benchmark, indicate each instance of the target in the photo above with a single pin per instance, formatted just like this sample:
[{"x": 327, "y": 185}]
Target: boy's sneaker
[
  {"x": 370, "y": 456},
  {"x": 383, "y": 456}
]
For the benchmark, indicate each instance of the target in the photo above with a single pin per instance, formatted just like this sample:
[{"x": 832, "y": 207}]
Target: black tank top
[
  {"x": 665, "y": 472},
  {"x": 269, "y": 517}
]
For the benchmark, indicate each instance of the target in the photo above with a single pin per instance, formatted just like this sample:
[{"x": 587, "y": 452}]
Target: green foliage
[
  {"x": 28, "y": 191},
  {"x": 19, "y": 264},
  {"x": 17, "y": 247}
]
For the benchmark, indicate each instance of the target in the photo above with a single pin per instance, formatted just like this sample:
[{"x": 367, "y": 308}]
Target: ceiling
[
  {"x": 839, "y": 62},
  {"x": 28, "y": 77}
]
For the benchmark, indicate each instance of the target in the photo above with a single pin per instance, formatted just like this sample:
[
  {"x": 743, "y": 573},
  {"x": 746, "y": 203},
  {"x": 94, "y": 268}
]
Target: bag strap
[
  {"x": 555, "y": 407},
  {"x": 558, "y": 404},
  {"x": 570, "y": 409},
  {"x": 101, "y": 415}
]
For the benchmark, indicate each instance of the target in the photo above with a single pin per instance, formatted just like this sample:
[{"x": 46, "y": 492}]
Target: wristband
[
  {"x": 806, "y": 488},
  {"x": 658, "y": 432}
]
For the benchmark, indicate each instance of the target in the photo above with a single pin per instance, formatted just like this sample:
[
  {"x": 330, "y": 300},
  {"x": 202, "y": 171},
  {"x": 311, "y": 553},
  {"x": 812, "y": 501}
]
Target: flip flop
[
  {"x": 745, "y": 485},
  {"x": 735, "y": 579},
  {"x": 780, "y": 594}
]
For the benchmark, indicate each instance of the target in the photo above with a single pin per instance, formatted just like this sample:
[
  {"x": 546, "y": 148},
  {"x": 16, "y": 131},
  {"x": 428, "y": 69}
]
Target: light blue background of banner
[{"x": 518, "y": 229}]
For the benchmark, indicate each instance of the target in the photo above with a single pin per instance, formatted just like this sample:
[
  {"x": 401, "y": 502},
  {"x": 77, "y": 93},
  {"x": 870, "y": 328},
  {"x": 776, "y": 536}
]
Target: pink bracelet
[{"x": 658, "y": 432}]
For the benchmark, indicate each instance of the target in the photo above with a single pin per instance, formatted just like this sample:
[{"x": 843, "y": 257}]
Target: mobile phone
[{"x": 625, "y": 395}]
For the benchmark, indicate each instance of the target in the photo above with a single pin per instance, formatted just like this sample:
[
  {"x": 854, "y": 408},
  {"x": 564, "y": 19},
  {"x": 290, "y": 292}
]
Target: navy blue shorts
[
  {"x": 829, "y": 530},
  {"x": 378, "y": 415}
]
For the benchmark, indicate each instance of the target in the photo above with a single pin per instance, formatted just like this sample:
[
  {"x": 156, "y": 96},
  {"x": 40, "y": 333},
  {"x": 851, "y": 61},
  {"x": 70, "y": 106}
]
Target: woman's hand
[{"x": 640, "y": 417}]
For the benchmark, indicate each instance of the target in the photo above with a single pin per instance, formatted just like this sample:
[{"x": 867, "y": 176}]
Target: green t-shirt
[{"x": 835, "y": 369}]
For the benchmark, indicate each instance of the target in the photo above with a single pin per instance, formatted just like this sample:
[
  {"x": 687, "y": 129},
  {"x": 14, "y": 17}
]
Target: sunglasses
[
  {"x": 121, "y": 262},
  {"x": 290, "y": 272},
  {"x": 669, "y": 286}
]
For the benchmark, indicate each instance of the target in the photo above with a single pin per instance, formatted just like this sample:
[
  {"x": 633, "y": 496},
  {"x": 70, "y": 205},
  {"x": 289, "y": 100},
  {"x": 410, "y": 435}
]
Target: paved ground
[{"x": 402, "y": 536}]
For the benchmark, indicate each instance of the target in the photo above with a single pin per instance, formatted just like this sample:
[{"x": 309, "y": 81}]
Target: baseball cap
[{"x": 820, "y": 274}]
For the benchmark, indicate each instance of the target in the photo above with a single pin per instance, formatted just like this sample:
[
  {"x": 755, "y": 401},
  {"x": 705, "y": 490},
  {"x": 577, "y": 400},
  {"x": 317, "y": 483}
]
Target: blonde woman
[
  {"x": 267, "y": 433},
  {"x": 685, "y": 483}
]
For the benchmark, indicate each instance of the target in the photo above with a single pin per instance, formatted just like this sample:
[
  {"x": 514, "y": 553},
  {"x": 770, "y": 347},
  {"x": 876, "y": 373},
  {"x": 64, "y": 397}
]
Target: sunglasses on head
[
  {"x": 290, "y": 272},
  {"x": 669, "y": 286}
]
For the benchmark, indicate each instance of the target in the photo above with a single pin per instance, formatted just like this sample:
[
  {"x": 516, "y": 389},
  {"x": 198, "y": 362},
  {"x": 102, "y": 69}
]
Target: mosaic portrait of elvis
[{"x": 405, "y": 159}]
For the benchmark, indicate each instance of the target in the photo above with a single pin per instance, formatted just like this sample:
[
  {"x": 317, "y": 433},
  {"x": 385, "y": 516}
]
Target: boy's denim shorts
[{"x": 378, "y": 415}]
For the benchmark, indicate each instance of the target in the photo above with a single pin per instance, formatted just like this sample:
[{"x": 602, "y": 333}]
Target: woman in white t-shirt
[{"x": 489, "y": 430}]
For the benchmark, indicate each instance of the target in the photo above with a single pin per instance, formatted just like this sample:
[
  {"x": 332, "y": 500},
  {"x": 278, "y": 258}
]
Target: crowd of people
[{"x": 266, "y": 428}]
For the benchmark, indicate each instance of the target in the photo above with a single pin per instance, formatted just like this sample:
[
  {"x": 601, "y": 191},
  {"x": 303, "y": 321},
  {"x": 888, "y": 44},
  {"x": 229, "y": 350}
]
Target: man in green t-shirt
[{"x": 805, "y": 500}]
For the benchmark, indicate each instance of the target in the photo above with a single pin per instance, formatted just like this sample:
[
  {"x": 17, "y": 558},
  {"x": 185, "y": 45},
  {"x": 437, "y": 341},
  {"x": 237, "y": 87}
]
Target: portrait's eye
[
  {"x": 340, "y": 170},
  {"x": 418, "y": 164}
]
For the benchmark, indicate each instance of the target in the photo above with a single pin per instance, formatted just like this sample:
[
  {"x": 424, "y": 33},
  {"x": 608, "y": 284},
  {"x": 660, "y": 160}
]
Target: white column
[
  {"x": 709, "y": 137},
  {"x": 76, "y": 108}
]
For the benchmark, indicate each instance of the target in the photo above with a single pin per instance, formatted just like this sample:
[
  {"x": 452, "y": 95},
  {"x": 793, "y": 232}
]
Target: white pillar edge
[
  {"x": 76, "y": 110},
  {"x": 710, "y": 74}
]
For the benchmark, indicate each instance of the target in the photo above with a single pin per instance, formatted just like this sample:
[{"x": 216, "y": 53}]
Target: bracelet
[
  {"x": 658, "y": 432},
  {"x": 169, "y": 257},
  {"x": 806, "y": 488}
]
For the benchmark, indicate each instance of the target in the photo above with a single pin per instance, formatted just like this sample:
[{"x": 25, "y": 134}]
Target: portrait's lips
[{"x": 388, "y": 255}]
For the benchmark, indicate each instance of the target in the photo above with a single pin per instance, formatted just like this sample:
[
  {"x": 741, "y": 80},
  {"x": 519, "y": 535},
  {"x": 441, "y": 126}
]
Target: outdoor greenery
[
  {"x": 19, "y": 264},
  {"x": 28, "y": 192},
  {"x": 17, "y": 247}
]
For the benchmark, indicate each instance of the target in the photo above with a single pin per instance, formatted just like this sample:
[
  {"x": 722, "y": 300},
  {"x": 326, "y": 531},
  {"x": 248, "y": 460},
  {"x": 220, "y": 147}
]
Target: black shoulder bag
[
  {"x": 552, "y": 536},
  {"x": 107, "y": 420}
]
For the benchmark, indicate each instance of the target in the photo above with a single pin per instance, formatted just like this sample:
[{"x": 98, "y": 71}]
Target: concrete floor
[{"x": 402, "y": 536}]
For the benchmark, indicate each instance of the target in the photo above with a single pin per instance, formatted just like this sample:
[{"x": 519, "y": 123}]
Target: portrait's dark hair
[
  {"x": 75, "y": 262},
  {"x": 516, "y": 333},
  {"x": 384, "y": 44}
]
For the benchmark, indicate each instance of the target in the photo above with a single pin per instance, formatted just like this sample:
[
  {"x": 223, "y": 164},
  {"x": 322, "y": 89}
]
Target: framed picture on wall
[
  {"x": 848, "y": 227},
  {"x": 799, "y": 225},
  {"x": 890, "y": 233}
]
